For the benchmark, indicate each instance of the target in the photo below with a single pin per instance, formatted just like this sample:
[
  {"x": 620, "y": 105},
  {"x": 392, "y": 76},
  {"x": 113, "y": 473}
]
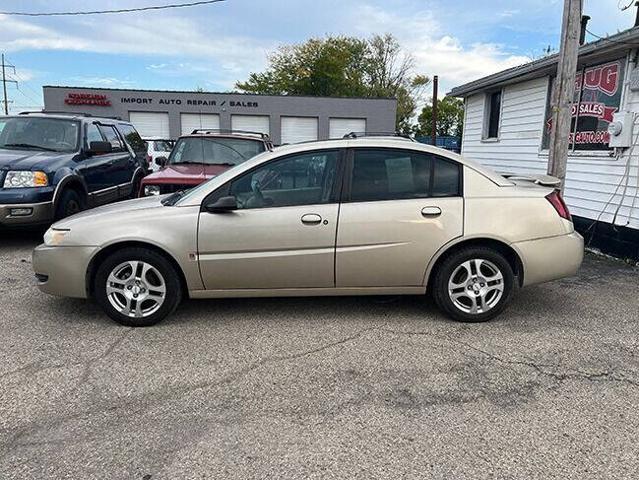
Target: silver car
[{"x": 357, "y": 216}]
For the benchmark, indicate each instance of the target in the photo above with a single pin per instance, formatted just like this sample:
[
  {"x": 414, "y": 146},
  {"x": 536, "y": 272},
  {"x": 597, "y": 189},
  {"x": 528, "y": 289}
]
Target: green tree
[
  {"x": 340, "y": 66},
  {"x": 450, "y": 118}
]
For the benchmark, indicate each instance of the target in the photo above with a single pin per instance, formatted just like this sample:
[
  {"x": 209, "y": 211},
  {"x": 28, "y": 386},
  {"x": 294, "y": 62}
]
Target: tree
[
  {"x": 450, "y": 118},
  {"x": 324, "y": 67},
  {"x": 340, "y": 66}
]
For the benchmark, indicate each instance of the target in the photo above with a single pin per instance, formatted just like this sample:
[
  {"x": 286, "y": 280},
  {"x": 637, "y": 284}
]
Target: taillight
[{"x": 557, "y": 201}]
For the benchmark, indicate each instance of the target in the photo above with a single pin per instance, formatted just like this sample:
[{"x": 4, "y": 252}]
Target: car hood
[
  {"x": 188, "y": 173},
  {"x": 119, "y": 208},
  {"x": 27, "y": 159}
]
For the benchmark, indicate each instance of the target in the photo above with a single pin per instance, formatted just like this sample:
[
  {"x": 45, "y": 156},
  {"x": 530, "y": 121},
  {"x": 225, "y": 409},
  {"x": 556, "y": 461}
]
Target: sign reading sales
[{"x": 597, "y": 98}]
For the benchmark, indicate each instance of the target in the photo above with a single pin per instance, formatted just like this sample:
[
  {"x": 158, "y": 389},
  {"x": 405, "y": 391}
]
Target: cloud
[
  {"x": 108, "y": 82},
  {"x": 233, "y": 56},
  {"x": 436, "y": 52}
]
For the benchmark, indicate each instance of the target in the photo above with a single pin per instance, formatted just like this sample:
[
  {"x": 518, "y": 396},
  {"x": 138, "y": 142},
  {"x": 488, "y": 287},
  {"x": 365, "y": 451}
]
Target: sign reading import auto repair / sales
[{"x": 597, "y": 97}]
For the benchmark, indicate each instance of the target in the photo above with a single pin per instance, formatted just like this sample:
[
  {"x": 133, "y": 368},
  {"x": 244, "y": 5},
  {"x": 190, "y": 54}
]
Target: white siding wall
[{"x": 591, "y": 178}]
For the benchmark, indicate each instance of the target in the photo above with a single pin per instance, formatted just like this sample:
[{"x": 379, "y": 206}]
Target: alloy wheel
[
  {"x": 476, "y": 286},
  {"x": 136, "y": 289}
]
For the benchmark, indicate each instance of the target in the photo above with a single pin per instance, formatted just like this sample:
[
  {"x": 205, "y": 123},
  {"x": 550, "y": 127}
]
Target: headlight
[
  {"x": 22, "y": 179},
  {"x": 55, "y": 236},
  {"x": 151, "y": 190}
]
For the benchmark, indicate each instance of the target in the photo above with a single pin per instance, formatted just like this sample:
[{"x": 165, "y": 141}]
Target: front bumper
[
  {"x": 36, "y": 214},
  {"x": 547, "y": 259},
  {"x": 62, "y": 271}
]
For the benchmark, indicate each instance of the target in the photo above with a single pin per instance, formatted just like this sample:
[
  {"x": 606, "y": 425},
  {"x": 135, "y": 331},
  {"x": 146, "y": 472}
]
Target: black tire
[
  {"x": 173, "y": 294},
  {"x": 451, "y": 264},
  {"x": 69, "y": 204},
  {"x": 135, "y": 188}
]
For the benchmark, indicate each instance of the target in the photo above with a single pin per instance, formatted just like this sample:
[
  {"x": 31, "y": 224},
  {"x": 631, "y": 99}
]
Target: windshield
[
  {"x": 186, "y": 197},
  {"x": 38, "y": 133},
  {"x": 162, "y": 146},
  {"x": 214, "y": 151}
]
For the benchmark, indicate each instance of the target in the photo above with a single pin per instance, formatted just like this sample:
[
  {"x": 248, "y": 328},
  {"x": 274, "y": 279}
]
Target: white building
[{"x": 506, "y": 127}]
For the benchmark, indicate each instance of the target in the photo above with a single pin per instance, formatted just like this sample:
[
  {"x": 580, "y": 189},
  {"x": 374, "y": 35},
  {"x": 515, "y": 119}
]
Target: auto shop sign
[
  {"x": 95, "y": 99},
  {"x": 597, "y": 98},
  {"x": 191, "y": 101}
]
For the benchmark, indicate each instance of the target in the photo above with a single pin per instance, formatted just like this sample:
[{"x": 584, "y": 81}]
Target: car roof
[
  {"x": 228, "y": 133},
  {"x": 71, "y": 115}
]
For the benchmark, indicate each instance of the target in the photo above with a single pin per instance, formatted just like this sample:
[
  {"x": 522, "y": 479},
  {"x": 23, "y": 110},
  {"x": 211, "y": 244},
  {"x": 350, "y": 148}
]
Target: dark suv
[
  {"x": 202, "y": 155},
  {"x": 54, "y": 165}
]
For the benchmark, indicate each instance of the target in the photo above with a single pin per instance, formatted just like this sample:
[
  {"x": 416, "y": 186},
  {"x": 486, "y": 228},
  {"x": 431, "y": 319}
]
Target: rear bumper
[
  {"x": 22, "y": 214},
  {"x": 62, "y": 270},
  {"x": 551, "y": 258}
]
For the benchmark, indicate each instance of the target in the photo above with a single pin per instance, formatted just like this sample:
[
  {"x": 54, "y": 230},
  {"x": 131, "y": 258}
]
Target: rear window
[
  {"x": 162, "y": 146},
  {"x": 214, "y": 151}
]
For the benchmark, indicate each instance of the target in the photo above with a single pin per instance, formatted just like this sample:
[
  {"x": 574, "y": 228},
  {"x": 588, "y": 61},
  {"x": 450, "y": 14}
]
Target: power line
[
  {"x": 23, "y": 80},
  {"x": 121, "y": 10},
  {"x": 25, "y": 95}
]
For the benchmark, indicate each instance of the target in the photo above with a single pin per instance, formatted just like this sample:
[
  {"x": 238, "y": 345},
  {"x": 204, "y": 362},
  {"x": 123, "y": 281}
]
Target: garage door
[
  {"x": 151, "y": 124},
  {"x": 192, "y": 121},
  {"x": 338, "y": 127},
  {"x": 251, "y": 123},
  {"x": 299, "y": 129}
]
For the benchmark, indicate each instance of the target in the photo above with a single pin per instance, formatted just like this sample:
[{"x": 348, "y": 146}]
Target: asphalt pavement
[{"x": 369, "y": 387}]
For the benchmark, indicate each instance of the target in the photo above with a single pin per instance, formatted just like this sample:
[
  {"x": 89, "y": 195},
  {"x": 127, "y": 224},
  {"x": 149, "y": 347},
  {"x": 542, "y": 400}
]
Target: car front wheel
[
  {"x": 474, "y": 284},
  {"x": 137, "y": 287}
]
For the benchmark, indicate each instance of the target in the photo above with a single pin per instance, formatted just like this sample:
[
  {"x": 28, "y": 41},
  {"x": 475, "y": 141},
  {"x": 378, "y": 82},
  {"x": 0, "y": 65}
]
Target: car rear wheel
[
  {"x": 137, "y": 287},
  {"x": 474, "y": 284}
]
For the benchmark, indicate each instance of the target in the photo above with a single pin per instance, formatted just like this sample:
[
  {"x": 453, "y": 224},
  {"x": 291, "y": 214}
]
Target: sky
[{"x": 213, "y": 46}]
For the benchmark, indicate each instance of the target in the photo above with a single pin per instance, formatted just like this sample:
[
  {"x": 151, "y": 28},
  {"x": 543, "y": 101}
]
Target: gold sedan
[{"x": 357, "y": 216}]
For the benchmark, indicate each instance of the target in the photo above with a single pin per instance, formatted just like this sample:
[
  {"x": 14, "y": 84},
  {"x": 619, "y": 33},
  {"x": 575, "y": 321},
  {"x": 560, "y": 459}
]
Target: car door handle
[
  {"x": 431, "y": 211},
  {"x": 311, "y": 219}
]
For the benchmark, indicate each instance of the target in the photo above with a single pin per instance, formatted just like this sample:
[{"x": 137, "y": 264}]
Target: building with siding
[
  {"x": 169, "y": 114},
  {"x": 507, "y": 125}
]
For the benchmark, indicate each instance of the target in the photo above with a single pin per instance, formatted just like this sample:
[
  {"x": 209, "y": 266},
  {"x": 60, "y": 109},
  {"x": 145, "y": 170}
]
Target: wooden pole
[
  {"x": 564, "y": 89},
  {"x": 433, "y": 133},
  {"x": 4, "y": 87}
]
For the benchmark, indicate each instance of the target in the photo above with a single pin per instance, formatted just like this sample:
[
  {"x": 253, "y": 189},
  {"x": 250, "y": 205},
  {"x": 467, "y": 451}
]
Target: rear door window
[
  {"x": 133, "y": 138},
  {"x": 386, "y": 174}
]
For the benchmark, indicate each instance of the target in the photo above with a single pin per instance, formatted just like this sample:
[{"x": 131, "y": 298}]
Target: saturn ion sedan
[{"x": 356, "y": 216}]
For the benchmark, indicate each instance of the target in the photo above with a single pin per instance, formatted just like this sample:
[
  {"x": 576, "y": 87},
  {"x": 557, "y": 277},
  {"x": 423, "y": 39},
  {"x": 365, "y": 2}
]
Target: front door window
[{"x": 305, "y": 179}]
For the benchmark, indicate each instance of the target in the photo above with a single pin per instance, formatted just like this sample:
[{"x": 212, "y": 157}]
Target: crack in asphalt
[
  {"x": 35, "y": 425},
  {"x": 36, "y": 367},
  {"x": 539, "y": 367},
  {"x": 142, "y": 402},
  {"x": 86, "y": 372}
]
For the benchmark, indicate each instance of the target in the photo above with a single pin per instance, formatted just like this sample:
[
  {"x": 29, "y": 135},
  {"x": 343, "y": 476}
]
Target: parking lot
[{"x": 370, "y": 387}]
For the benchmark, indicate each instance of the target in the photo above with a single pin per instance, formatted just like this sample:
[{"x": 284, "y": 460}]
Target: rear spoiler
[{"x": 539, "y": 179}]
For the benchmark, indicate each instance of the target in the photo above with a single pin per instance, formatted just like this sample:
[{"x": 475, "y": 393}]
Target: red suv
[{"x": 200, "y": 156}]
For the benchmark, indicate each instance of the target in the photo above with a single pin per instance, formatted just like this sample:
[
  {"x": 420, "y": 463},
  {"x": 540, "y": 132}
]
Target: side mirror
[
  {"x": 161, "y": 161},
  {"x": 99, "y": 148},
  {"x": 222, "y": 205}
]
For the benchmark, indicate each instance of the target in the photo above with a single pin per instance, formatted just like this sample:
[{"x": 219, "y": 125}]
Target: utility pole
[
  {"x": 4, "y": 84},
  {"x": 564, "y": 89},
  {"x": 433, "y": 133}
]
